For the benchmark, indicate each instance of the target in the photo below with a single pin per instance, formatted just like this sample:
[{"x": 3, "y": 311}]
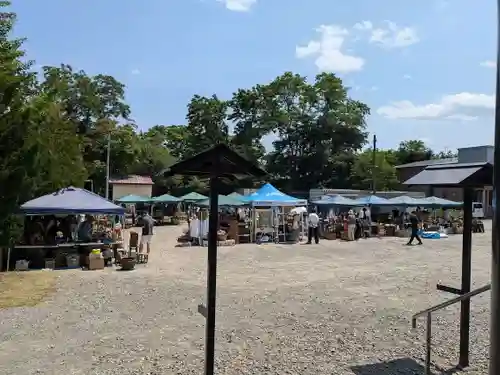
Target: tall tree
[
  {"x": 39, "y": 150},
  {"x": 248, "y": 112},
  {"x": 173, "y": 137},
  {"x": 207, "y": 124},
  {"x": 319, "y": 128},
  {"x": 412, "y": 151},
  {"x": 363, "y": 171},
  {"x": 95, "y": 105}
]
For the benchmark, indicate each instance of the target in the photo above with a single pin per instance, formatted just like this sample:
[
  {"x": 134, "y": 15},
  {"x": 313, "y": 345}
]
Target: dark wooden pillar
[
  {"x": 495, "y": 244},
  {"x": 466, "y": 278},
  {"x": 213, "y": 226}
]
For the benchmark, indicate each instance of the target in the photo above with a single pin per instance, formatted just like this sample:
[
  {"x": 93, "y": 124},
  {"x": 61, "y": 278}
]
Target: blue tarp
[
  {"x": 336, "y": 200},
  {"x": 268, "y": 195},
  {"x": 372, "y": 200},
  {"x": 405, "y": 201},
  {"x": 71, "y": 201}
]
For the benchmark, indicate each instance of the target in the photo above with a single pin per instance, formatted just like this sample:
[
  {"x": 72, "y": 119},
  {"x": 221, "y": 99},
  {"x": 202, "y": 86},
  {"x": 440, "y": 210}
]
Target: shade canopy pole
[
  {"x": 213, "y": 226},
  {"x": 495, "y": 243},
  {"x": 466, "y": 278}
]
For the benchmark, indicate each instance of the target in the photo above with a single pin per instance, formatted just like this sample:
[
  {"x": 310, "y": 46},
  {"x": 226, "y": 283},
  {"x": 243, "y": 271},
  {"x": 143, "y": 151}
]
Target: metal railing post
[
  {"x": 428, "y": 313},
  {"x": 428, "y": 343}
]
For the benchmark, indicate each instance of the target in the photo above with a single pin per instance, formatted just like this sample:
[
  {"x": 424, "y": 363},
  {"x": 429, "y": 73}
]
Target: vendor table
[{"x": 62, "y": 246}]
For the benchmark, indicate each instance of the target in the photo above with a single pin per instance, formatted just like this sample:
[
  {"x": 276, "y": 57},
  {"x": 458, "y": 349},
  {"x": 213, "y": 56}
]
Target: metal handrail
[{"x": 428, "y": 313}]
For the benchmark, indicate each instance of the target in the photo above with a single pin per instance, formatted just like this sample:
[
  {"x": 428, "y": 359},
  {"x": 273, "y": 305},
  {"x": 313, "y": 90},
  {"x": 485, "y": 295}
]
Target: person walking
[
  {"x": 147, "y": 235},
  {"x": 313, "y": 221},
  {"x": 414, "y": 221}
]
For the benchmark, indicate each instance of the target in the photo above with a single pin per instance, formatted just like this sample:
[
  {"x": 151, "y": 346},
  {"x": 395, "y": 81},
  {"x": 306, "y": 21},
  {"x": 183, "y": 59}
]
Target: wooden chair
[{"x": 133, "y": 242}]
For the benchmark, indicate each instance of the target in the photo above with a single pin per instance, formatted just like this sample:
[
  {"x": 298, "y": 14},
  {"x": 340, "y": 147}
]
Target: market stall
[
  {"x": 135, "y": 205},
  {"x": 332, "y": 209},
  {"x": 270, "y": 215},
  {"x": 446, "y": 216},
  {"x": 229, "y": 226},
  {"x": 55, "y": 226},
  {"x": 160, "y": 209},
  {"x": 188, "y": 200}
]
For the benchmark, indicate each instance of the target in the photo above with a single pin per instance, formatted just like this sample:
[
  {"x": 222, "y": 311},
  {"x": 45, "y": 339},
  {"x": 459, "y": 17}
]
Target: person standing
[
  {"x": 313, "y": 221},
  {"x": 147, "y": 234},
  {"x": 351, "y": 226},
  {"x": 414, "y": 221}
]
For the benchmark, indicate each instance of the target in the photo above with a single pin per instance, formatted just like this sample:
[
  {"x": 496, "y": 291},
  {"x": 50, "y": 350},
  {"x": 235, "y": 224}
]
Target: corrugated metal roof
[
  {"x": 425, "y": 163},
  {"x": 443, "y": 176},
  {"x": 132, "y": 180}
]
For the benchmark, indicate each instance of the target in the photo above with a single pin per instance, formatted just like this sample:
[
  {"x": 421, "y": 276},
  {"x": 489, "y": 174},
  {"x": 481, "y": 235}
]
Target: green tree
[
  {"x": 249, "y": 114},
  {"x": 173, "y": 137},
  {"x": 319, "y": 128},
  {"x": 95, "y": 105},
  {"x": 39, "y": 150},
  {"x": 384, "y": 172},
  {"x": 412, "y": 151},
  {"x": 207, "y": 124}
]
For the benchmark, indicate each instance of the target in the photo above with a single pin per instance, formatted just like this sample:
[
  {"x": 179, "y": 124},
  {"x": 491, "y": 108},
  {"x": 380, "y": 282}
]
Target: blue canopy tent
[
  {"x": 405, "y": 201},
  {"x": 438, "y": 202},
  {"x": 336, "y": 200},
  {"x": 132, "y": 198},
  {"x": 71, "y": 201},
  {"x": 273, "y": 221},
  {"x": 166, "y": 198},
  {"x": 237, "y": 196},
  {"x": 224, "y": 200},
  {"x": 372, "y": 200},
  {"x": 269, "y": 196}
]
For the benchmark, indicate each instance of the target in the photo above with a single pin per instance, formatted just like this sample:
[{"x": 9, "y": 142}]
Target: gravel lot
[{"x": 332, "y": 308}]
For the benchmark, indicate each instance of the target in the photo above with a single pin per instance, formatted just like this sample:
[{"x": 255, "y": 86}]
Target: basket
[
  {"x": 330, "y": 235},
  {"x": 221, "y": 237},
  {"x": 127, "y": 263}
]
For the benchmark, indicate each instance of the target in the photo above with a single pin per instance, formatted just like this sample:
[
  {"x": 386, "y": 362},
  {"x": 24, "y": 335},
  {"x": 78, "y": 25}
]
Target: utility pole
[
  {"x": 495, "y": 240},
  {"x": 374, "y": 163},
  {"x": 108, "y": 155}
]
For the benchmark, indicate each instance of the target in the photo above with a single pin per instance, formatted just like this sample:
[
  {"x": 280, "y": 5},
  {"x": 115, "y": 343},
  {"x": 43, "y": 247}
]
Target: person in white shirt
[
  {"x": 313, "y": 221},
  {"x": 351, "y": 226}
]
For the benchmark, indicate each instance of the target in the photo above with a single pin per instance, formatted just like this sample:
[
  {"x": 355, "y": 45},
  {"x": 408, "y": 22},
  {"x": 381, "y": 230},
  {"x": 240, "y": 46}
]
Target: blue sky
[{"x": 424, "y": 67}]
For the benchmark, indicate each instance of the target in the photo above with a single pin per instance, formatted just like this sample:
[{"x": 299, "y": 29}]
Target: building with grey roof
[{"x": 466, "y": 155}]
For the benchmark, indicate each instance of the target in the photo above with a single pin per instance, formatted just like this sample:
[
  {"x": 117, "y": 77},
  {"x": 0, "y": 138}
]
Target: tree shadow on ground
[{"x": 402, "y": 366}]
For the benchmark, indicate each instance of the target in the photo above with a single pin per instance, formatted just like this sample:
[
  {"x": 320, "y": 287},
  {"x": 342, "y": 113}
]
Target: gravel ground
[{"x": 332, "y": 308}]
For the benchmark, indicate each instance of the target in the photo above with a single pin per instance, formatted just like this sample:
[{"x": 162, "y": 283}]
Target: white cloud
[
  {"x": 327, "y": 50},
  {"x": 464, "y": 106},
  {"x": 363, "y": 25},
  {"x": 238, "y": 5},
  {"x": 407, "y": 76},
  {"x": 488, "y": 64},
  {"x": 390, "y": 36},
  {"x": 135, "y": 72}
]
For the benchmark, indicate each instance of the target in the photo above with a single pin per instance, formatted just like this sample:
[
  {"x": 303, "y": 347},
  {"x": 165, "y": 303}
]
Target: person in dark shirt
[
  {"x": 147, "y": 233},
  {"x": 414, "y": 229}
]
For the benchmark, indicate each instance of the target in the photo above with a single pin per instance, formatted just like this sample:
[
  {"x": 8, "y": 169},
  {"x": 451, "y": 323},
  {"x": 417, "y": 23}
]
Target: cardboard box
[{"x": 96, "y": 263}]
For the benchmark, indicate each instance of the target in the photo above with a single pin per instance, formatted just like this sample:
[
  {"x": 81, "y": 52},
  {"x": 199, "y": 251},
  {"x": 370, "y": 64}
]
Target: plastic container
[
  {"x": 72, "y": 260},
  {"x": 22, "y": 265},
  {"x": 50, "y": 264}
]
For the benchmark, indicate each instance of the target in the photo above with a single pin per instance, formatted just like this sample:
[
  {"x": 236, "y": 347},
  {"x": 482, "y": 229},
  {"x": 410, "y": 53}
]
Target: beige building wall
[{"x": 121, "y": 190}]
